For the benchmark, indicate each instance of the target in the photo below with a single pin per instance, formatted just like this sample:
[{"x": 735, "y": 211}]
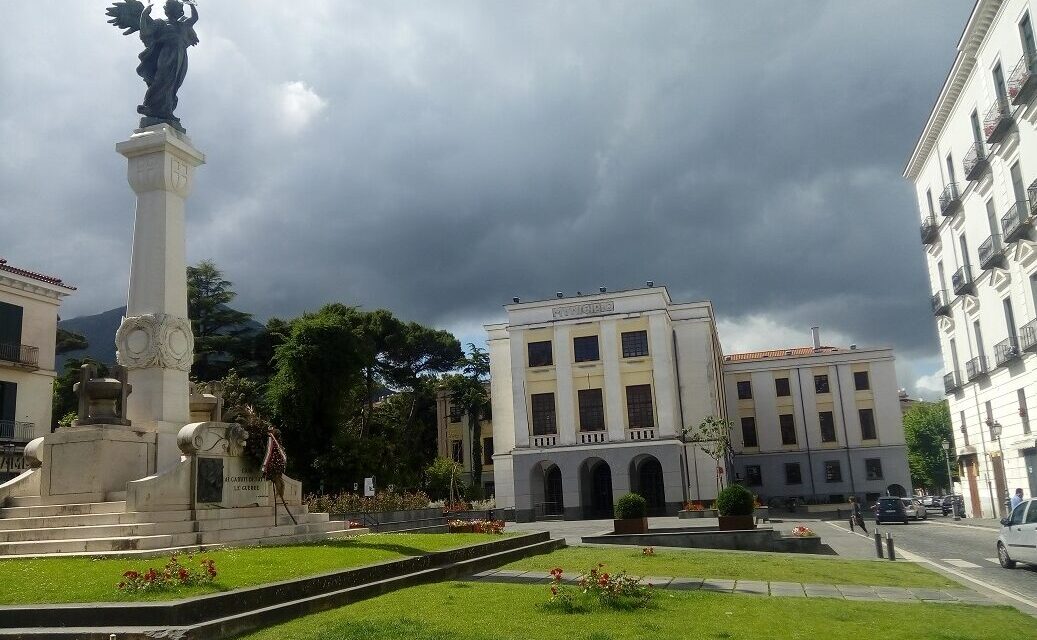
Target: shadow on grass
[{"x": 377, "y": 546}]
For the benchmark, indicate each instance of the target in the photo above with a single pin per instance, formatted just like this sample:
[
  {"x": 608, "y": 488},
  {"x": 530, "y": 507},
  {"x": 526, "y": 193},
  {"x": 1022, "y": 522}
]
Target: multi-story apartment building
[
  {"x": 454, "y": 440},
  {"x": 974, "y": 169},
  {"x": 28, "y": 325},
  {"x": 817, "y": 422}
]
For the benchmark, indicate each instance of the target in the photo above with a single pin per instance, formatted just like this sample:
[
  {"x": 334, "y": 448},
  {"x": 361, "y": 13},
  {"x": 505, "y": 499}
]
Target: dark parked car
[
  {"x": 890, "y": 509},
  {"x": 949, "y": 503}
]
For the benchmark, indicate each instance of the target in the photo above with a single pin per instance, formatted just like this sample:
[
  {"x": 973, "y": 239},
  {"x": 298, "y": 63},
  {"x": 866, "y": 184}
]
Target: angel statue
[{"x": 163, "y": 64}]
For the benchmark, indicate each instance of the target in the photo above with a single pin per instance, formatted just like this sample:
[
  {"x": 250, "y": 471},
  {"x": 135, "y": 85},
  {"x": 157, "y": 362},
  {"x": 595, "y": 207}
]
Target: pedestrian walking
[
  {"x": 856, "y": 515},
  {"x": 1017, "y": 498}
]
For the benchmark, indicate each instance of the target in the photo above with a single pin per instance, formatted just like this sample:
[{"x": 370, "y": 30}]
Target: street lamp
[
  {"x": 995, "y": 433},
  {"x": 954, "y": 498}
]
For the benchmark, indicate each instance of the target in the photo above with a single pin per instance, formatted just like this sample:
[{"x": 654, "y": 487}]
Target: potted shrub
[
  {"x": 631, "y": 514},
  {"x": 735, "y": 508}
]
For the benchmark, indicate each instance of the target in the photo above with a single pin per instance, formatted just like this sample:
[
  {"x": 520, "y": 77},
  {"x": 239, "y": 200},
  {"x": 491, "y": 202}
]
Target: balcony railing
[
  {"x": 593, "y": 437},
  {"x": 1023, "y": 81},
  {"x": 976, "y": 368},
  {"x": 962, "y": 282},
  {"x": 1016, "y": 223},
  {"x": 1031, "y": 195},
  {"x": 1006, "y": 350},
  {"x": 941, "y": 305},
  {"x": 13, "y": 431},
  {"x": 20, "y": 354},
  {"x": 930, "y": 230},
  {"x": 547, "y": 440},
  {"x": 641, "y": 433},
  {"x": 991, "y": 252},
  {"x": 1028, "y": 336},
  {"x": 975, "y": 161},
  {"x": 997, "y": 121},
  {"x": 950, "y": 200},
  {"x": 951, "y": 382}
]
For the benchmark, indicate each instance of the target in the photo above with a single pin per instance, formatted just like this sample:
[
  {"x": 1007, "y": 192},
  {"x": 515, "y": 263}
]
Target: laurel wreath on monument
[{"x": 263, "y": 445}]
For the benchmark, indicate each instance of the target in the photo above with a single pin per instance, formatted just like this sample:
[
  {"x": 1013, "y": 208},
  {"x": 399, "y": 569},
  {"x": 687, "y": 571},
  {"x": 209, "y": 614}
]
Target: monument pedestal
[{"x": 93, "y": 463}]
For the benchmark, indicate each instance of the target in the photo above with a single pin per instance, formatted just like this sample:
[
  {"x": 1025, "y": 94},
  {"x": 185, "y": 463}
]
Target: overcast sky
[{"x": 438, "y": 158}]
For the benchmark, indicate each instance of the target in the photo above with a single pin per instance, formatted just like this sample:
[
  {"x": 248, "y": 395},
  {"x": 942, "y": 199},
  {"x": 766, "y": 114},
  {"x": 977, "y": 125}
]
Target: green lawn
[
  {"x": 480, "y": 611},
  {"x": 93, "y": 579},
  {"x": 732, "y": 565}
]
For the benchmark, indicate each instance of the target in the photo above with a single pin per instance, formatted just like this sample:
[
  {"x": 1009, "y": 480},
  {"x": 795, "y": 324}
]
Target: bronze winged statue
[{"x": 163, "y": 63}]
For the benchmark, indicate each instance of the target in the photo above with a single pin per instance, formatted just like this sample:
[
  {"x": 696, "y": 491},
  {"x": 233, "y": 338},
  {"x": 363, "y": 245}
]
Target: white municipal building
[
  {"x": 592, "y": 396},
  {"x": 974, "y": 169}
]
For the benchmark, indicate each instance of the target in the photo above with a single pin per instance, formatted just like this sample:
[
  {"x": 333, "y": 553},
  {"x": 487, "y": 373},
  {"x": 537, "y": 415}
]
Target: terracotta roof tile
[
  {"x": 777, "y": 353},
  {"x": 35, "y": 276}
]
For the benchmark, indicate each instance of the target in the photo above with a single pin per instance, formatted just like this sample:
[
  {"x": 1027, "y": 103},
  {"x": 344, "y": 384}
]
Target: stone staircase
[{"x": 29, "y": 528}]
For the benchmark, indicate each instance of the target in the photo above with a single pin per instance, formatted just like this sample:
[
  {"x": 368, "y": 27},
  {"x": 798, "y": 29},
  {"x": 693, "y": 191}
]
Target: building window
[
  {"x": 10, "y": 327},
  {"x": 639, "y": 406},
  {"x": 873, "y": 468},
  {"x": 861, "y": 381},
  {"x": 457, "y": 451},
  {"x": 821, "y": 384},
  {"x": 745, "y": 390},
  {"x": 1023, "y": 415},
  {"x": 487, "y": 451},
  {"x": 867, "y": 417},
  {"x": 749, "y": 432},
  {"x": 964, "y": 430},
  {"x": 833, "y": 472},
  {"x": 788, "y": 429},
  {"x": 455, "y": 413},
  {"x": 635, "y": 344},
  {"x": 792, "y": 473},
  {"x": 827, "y": 426},
  {"x": 543, "y": 405},
  {"x": 592, "y": 410},
  {"x": 753, "y": 475},
  {"x": 781, "y": 387},
  {"x": 540, "y": 354},
  {"x": 585, "y": 348}
]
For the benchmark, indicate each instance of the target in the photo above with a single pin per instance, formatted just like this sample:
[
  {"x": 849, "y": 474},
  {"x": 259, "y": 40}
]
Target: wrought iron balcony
[
  {"x": 951, "y": 382},
  {"x": 997, "y": 121},
  {"x": 962, "y": 282},
  {"x": 950, "y": 200},
  {"x": 1028, "y": 336},
  {"x": 1023, "y": 80},
  {"x": 1016, "y": 223},
  {"x": 1031, "y": 195},
  {"x": 991, "y": 252},
  {"x": 930, "y": 230},
  {"x": 976, "y": 368},
  {"x": 975, "y": 161},
  {"x": 13, "y": 431},
  {"x": 1006, "y": 350},
  {"x": 20, "y": 354},
  {"x": 941, "y": 305}
]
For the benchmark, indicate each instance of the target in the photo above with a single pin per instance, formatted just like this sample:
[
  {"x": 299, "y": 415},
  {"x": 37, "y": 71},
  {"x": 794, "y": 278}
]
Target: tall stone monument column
[{"x": 155, "y": 341}]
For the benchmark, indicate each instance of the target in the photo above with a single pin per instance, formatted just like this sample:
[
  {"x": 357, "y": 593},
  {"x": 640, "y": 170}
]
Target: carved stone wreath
[{"x": 155, "y": 340}]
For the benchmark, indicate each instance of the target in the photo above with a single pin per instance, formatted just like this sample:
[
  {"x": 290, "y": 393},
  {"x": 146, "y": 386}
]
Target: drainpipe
[
  {"x": 680, "y": 408},
  {"x": 806, "y": 432},
  {"x": 846, "y": 433}
]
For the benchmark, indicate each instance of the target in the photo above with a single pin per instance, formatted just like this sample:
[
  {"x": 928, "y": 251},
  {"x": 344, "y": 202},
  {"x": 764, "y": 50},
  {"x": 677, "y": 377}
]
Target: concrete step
[
  {"x": 115, "y": 495},
  {"x": 63, "y": 509},
  {"x": 44, "y": 522},
  {"x": 29, "y": 501},
  {"x": 409, "y": 525},
  {"x": 98, "y": 531},
  {"x": 85, "y": 545}
]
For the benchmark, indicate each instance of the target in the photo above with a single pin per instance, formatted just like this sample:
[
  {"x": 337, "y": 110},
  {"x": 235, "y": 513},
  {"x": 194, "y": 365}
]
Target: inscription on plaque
[
  {"x": 586, "y": 309},
  {"x": 210, "y": 480}
]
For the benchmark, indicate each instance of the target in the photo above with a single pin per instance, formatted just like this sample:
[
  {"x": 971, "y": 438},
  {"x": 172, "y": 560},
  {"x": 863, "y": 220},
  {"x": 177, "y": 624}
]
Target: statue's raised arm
[{"x": 163, "y": 63}]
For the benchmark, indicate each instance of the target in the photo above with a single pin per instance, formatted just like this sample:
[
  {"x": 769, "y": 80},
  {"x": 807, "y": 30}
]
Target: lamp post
[
  {"x": 995, "y": 433},
  {"x": 954, "y": 498}
]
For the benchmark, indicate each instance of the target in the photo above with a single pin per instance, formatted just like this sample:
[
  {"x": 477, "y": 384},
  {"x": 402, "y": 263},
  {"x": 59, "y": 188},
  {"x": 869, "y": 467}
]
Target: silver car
[
  {"x": 915, "y": 509},
  {"x": 1017, "y": 541}
]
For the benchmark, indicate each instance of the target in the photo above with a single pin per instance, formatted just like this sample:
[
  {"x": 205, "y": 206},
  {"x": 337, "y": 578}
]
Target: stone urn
[{"x": 101, "y": 400}]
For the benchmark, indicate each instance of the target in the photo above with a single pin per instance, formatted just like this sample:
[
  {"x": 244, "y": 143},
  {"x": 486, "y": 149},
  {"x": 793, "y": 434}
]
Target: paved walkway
[{"x": 756, "y": 587}]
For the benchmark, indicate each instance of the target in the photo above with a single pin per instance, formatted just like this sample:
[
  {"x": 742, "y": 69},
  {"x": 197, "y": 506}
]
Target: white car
[
  {"x": 915, "y": 509},
  {"x": 1017, "y": 541}
]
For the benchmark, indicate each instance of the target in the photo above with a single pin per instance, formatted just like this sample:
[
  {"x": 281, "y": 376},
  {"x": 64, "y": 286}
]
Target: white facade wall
[{"x": 992, "y": 36}]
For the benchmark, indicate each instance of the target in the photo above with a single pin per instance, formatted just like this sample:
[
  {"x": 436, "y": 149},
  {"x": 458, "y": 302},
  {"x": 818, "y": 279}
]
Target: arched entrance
[
  {"x": 546, "y": 490},
  {"x": 646, "y": 480},
  {"x": 596, "y": 489},
  {"x": 896, "y": 490}
]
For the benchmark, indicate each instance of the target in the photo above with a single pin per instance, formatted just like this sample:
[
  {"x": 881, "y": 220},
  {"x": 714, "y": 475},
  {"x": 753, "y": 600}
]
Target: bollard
[
  {"x": 889, "y": 546},
  {"x": 878, "y": 544}
]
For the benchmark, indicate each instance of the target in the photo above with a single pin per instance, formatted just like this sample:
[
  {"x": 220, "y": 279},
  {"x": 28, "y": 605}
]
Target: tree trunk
[{"x": 476, "y": 433}]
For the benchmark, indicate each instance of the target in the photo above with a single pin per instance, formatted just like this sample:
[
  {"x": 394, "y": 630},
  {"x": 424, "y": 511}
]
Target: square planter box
[
  {"x": 737, "y": 523},
  {"x": 632, "y": 525},
  {"x": 699, "y": 513}
]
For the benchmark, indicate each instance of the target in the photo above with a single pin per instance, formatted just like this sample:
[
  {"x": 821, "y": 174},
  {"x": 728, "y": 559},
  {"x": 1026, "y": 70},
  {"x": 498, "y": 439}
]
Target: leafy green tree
[
  {"x": 468, "y": 394},
  {"x": 221, "y": 338},
  {"x": 67, "y": 341},
  {"x": 713, "y": 436},
  {"x": 926, "y": 426},
  {"x": 441, "y": 478}
]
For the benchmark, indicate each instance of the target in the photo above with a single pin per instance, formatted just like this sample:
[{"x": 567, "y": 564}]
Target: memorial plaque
[{"x": 210, "y": 480}]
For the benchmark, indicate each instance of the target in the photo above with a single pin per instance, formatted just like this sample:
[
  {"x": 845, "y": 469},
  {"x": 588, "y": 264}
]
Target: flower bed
[
  {"x": 475, "y": 526},
  {"x": 356, "y": 503},
  {"x": 174, "y": 574},
  {"x": 599, "y": 588},
  {"x": 803, "y": 532}
]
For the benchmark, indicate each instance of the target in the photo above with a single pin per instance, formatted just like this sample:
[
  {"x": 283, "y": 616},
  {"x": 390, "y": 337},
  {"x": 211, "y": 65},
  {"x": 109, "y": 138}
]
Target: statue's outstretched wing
[{"x": 126, "y": 14}]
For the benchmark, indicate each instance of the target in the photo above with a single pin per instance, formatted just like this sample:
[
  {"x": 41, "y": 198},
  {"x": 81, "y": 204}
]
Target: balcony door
[
  {"x": 1009, "y": 317},
  {"x": 1017, "y": 183},
  {"x": 1026, "y": 35},
  {"x": 8, "y": 396},
  {"x": 977, "y": 130},
  {"x": 999, "y": 84},
  {"x": 950, "y": 169},
  {"x": 979, "y": 338},
  {"x": 965, "y": 262},
  {"x": 992, "y": 218},
  {"x": 943, "y": 277},
  {"x": 10, "y": 329},
  {"x": 954, "y": 356}
]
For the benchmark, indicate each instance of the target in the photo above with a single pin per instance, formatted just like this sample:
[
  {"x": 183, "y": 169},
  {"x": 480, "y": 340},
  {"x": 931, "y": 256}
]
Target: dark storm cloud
[{"x": 438, "y": 158}]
